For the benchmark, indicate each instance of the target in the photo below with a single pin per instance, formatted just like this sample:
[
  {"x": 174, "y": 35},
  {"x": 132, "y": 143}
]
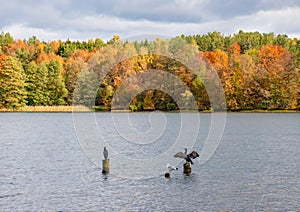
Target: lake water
[{"x": 44, "y": 168}]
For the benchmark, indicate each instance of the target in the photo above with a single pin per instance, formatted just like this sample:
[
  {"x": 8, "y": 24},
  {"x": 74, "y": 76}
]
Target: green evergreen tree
[
  {"x": 55, "y": 84},
  {"x": 36, "y": 84},
  {"x": 42, "y": 92},
  {"x": 31, "y": 87},
  {"x": 5, "y": 39}
]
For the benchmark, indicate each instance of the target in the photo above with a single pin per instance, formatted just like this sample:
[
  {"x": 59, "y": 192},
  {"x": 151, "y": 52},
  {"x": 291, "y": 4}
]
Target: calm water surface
[{"x": 255, "y": 168}]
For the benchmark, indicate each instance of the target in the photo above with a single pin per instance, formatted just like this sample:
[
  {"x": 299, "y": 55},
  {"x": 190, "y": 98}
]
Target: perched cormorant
[
  {"x": 187, "y": 157},
  {"x": 105, "y": 153}
]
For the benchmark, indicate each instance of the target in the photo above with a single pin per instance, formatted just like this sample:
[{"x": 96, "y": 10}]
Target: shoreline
[{"x": 71, "y": 109}]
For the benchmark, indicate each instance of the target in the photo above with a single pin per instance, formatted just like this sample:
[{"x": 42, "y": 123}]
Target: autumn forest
[{"x": 256, "y": 70}]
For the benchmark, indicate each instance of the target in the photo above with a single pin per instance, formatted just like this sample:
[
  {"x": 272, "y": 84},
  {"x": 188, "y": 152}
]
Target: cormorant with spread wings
[{"x": 187, "y": 157}]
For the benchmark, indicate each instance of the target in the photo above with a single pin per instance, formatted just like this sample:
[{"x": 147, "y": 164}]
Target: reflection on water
[{"x": 256, "y": 167}]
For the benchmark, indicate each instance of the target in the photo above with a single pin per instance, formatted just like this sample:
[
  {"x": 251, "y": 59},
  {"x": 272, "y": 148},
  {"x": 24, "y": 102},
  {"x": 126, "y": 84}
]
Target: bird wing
[
  {"x": 180, "y": 155},
  {"x": 193, "y": 154}
]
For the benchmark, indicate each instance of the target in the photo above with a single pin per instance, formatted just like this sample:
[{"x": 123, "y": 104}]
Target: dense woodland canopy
[{"x": 257, "y": 71}]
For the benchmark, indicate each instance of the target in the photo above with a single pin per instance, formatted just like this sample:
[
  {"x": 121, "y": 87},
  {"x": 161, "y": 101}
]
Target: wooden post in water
[
  {"x": 105, "y": 162},
  {"x": 187, "y": 169},
  {"x": 105, "y": 166}
]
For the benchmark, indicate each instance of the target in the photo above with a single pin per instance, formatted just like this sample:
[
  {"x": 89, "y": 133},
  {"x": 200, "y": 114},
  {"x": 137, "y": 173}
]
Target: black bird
[
  {"x": 105, "y": 153},
  {"x": 187, "y": 157}
]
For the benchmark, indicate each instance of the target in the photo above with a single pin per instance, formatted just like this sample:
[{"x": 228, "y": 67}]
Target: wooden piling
[
  {"x": 187, "y": 169},
  {"x": 105, "y": 166}
]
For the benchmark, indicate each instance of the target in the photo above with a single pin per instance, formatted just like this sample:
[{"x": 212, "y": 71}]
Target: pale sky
[{"x": 85, "y": 19}]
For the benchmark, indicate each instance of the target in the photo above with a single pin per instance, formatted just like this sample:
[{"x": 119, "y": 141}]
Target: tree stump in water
[
  {"x": 105, "y": 166},
  {"x": 187, "y": 169}
]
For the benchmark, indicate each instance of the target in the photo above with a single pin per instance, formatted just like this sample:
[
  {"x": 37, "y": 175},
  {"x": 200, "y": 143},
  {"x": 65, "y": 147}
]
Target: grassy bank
[
  {"x": 268, "y": 111},
  {"x": 48, "y": 109}
]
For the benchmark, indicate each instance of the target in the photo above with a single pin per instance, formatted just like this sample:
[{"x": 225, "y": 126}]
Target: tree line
[{"x": 256, "y": 70}]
